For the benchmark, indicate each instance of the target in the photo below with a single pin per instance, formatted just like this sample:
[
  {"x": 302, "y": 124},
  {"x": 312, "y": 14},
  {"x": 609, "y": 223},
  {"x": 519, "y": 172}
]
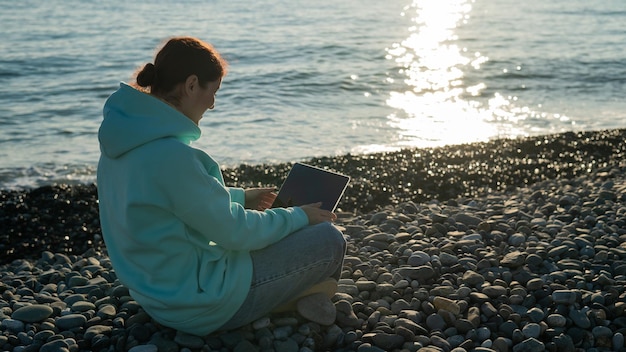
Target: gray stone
[
  {"x": 386, "y": 341},
  {"x": 440, "y": 342},
  {"x": 139, "y": 318},
  {"x": 75, "y": 281},
  {"x": 535, "y": 315},
  {"x": 333, "y": 334},
  {"x": 407, "y": 334},
  {"x": 71, "y": 299},
  {"x": 533, "y": 260},
  {"x": 501, "y": 344},
  {"x": 455, "y": 341},
  {"x": 564, "y": 342},
  {"x": 96, "y": 330},
  {"x": 564, "y": 296},
  {"x": 55, "y": 346},
  {"x": 401, "y": 284},
  {"x": 367, "y": 347},
  {"x": 507, "y": 328},
  {"x": 70, "y": 321},
  {"x": 399, "y": 305},
  {"x": 365, "y": 285},
  {"x": 535, "y": 284},
  {"x": 531, "y": 330},
  {"x": 351, "y": 290},
  {"x": 529, "y": 345},
  {"x": 513, "y": 260},
  {"x": 618, "y": 341},
  {"x": 409, "y": 324},
  {"x": 418, "y": 258},
  {"x": 317, "y": 308},
  {"x": 601, "y": 331},
  {"x": 442, "y": 303},
  {"x": 379, "y": 237},
  {"x": 144, "y": 348},
  {"x": 483, "y": 333},
  {"x": 107, "y": 311},
  {"x": 479, "y": 297},
  {"x": 43, "y": 335},
  {"x": 517, "y": 239},
  {"x": 448, "y": 259},
  {"x": 421, "y": 273},
  {"x": 580, "y": 318},
  {"x": 12, "y": 325},
  {"x": 282, "y": 332},
  {"x": 384, "y": 289},
  {"x": 588, "y": 252},
  {"x": 487, "y": 309},
  {"x": 188, "y": 340},
  {"x": 463, "y": 326},
  {"x": 472, "y": 278},
  {"x": 261, "y": 323},
  {"x": 82, "y": 306},
  {"x": 556, "y": 320},
  {"x": 494, "y": 291},
  {"x": 435, "y": 322},
  {"x": 33, "y": 313},
  {"x": 24, "y": 338},
  {"x": 467, "y": 219},
  {"x": 442, "y": 291}
]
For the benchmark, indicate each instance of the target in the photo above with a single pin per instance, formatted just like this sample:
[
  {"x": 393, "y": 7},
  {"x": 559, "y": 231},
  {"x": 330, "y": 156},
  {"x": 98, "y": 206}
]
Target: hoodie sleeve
[
  {"x": 237, "y": 195},
  {"x": 202, "y": 202}
]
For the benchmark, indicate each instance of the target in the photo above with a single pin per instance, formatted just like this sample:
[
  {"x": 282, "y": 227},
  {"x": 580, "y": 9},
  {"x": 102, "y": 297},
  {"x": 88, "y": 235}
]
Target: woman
[{"x": 197, "y": 255}]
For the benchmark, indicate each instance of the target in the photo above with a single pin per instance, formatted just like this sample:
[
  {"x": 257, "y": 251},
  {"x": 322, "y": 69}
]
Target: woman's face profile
[{"x": 201, "y": 99}]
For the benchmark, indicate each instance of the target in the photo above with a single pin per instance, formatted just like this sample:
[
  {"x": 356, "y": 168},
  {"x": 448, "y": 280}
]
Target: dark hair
[{"x": 178, "y": 59}]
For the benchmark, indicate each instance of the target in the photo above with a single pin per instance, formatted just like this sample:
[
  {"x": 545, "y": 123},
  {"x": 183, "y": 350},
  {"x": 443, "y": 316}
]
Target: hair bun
[{"x": 146, "y": 76}]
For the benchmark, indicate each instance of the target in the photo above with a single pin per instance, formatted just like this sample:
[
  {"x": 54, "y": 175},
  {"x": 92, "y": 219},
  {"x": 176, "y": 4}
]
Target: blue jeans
[{"x": 286, "y": 268}]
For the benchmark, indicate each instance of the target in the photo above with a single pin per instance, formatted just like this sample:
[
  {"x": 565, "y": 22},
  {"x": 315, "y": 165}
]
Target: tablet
[{"x": 306, "y": 184}]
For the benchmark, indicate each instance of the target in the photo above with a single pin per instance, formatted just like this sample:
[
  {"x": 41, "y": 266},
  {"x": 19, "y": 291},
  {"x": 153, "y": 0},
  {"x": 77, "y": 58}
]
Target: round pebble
[{"x": 32, "y": 313}]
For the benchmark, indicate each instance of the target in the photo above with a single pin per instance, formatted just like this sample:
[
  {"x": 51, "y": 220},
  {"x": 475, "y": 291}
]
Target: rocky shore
[{"x": 511, "y": 245}]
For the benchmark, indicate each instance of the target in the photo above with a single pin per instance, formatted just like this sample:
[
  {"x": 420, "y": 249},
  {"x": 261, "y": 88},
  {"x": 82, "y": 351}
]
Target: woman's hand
[
  {"x": 317, "y": 215},
  {"x": 260, "y": 198}
]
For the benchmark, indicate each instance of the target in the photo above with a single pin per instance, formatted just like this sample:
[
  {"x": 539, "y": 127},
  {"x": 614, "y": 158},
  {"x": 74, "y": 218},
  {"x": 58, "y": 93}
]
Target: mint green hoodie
[{"x": 177, "y": 237}]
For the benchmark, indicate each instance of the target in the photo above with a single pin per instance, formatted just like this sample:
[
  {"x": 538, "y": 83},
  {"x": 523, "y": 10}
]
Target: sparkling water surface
[{"x": 312, "y": 78}]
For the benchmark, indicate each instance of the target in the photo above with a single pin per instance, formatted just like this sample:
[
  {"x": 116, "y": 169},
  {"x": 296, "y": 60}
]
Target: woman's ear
[{"x": 191, "y": 84}]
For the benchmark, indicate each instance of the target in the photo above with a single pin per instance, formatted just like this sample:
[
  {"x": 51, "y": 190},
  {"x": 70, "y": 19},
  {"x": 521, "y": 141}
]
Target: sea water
[{"x": 312, "y": 78}]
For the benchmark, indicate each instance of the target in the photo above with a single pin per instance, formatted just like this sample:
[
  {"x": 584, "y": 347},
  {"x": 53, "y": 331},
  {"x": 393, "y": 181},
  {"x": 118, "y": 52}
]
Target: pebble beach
[{"x": 508, "y": 245}]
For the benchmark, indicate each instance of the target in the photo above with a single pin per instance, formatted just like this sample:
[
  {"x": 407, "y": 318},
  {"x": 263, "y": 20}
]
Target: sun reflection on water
[{"x": 433, "y": 105}]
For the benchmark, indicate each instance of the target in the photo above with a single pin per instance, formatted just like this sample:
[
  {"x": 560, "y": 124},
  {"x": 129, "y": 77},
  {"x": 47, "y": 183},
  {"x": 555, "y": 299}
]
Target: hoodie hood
[{"x": 133, "y": 118}]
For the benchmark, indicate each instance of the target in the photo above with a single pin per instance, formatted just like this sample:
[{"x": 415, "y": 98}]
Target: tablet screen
[{"x": 306, "y": 184}]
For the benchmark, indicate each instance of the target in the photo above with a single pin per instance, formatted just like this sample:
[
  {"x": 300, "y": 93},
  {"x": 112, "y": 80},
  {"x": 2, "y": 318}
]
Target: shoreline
[
  {"x": 64, "y": 218},
  {"x": 509, "y": 245}
]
